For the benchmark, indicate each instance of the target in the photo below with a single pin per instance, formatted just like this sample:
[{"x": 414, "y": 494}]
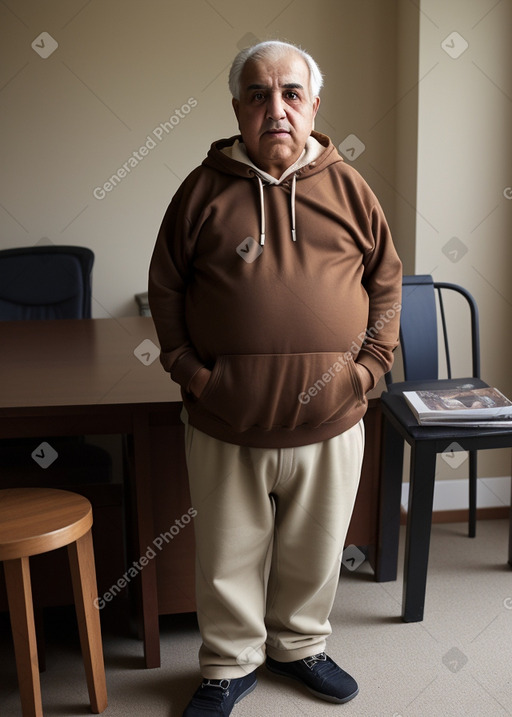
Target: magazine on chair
[{"x": 461, "y": 406}]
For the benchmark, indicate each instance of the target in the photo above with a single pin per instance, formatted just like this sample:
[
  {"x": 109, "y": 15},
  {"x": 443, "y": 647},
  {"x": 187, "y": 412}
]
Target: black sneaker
[
  {"x": 320, "y": 675},
  {"x": 216, "y": 698}
]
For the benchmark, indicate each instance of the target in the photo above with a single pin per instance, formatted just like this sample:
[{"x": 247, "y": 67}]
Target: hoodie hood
[
  {"x": 230, "y": 156},
  {"x": 312, "y": 151}
]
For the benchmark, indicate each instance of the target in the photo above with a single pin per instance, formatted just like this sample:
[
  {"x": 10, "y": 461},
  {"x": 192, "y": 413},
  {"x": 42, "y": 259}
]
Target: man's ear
[
  {"x": 316, "y": 105},
  {"x": 236, "y": 105}
]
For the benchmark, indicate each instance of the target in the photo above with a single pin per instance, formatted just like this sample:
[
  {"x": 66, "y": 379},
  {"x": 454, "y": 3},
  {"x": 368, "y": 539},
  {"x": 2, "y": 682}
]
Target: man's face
[{"x": 275, "y": 111}]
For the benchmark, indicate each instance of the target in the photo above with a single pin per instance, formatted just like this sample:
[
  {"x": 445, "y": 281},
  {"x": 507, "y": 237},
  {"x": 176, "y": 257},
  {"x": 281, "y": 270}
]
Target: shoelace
[
  {"x": 214, "y": 690},
  {"x": 320, "y": 665},
  {"x": 311, "y": 661}
]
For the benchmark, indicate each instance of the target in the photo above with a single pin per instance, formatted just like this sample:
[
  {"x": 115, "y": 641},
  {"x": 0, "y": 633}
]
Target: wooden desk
[{"x": 83, "y": 377}]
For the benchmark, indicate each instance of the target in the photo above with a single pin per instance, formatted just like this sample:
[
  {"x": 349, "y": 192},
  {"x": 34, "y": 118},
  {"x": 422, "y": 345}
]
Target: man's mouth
[{"x": 277, "y": 132}]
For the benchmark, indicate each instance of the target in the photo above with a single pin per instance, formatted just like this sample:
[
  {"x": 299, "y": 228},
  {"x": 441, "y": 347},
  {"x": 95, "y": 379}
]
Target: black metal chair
[
  {"x": 420, "y": 330},
  {"x": 419, "y": 344}
]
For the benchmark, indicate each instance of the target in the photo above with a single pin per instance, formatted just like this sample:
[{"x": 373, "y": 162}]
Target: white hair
[{"x": 276, "y": 50}]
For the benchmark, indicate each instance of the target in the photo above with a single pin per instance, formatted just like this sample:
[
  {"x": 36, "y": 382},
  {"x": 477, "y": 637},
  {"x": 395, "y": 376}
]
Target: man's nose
[{"x": 276, "y": 107}]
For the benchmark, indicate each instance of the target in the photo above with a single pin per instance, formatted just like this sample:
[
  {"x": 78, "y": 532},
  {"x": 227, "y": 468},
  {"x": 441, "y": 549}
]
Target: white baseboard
[{"x": 453, "y": 494}]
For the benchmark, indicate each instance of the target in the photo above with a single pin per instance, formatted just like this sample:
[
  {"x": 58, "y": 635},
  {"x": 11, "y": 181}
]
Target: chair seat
[
  {"x": 396, "y": 407},
  {"x": 37, "y": 520}
]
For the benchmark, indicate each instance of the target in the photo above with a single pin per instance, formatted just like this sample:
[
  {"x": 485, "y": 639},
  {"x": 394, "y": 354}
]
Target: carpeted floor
[{"x": 457, "y": 662}]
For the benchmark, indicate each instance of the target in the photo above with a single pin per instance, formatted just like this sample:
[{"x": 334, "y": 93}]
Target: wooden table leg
[
  {"x": 390, "y": 493},
  {"x": 21, "y": 611},
  {"x": 145, "y": 537}
]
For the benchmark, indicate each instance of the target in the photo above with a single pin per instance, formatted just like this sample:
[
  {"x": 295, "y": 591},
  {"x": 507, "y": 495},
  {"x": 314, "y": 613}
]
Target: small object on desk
[
  {"x": 143, "y": 304},
  {"x": 463, "y": 405}
]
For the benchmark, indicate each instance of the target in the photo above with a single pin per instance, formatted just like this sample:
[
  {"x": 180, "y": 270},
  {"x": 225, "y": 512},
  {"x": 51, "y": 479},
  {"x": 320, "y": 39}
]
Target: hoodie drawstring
[
  {"x": 262, "y": 209},
  {"x": 262, "y": 212},
  {"x": 292, "y": 205}
]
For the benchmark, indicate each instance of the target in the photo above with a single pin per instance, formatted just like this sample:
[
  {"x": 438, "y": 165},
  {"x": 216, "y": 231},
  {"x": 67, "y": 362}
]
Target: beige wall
[
  {"x": 121, "y": 69},
  {"x": 464, "y": 170},
  {"x": 436, "y": 130}
]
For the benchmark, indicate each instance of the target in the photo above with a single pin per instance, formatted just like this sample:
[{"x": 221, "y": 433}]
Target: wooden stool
[{"x": 33, "y": 521}]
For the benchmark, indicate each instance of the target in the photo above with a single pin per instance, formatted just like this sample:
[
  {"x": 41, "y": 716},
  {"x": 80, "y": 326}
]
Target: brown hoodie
[{"x": 277, "y": 286}]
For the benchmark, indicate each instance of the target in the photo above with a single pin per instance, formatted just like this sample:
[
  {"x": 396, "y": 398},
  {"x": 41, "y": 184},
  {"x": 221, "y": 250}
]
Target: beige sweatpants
[{"x": 270, "y": 531}]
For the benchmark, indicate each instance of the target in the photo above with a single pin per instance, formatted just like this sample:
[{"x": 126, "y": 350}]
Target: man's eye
[
  {"x": 258, "y": 96},
  {"x": 292, "y": 95}
]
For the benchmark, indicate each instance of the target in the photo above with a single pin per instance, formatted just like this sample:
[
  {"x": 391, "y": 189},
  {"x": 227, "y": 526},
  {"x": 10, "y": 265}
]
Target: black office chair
[
  {"x": 419, "y": 340},
  {"x": 49, "y": 282},
  {"x": 45, "y": 282}
]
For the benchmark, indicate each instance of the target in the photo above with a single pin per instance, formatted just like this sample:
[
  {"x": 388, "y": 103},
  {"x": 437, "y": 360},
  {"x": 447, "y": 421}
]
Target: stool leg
[
  {"x": 41, "y": 644},
  {"x": 83, "y": 574},
  {"x": 21, "y": 611}
]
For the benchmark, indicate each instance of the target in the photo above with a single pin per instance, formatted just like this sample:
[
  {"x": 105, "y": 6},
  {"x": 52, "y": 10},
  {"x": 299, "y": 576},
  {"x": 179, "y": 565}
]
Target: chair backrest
[
  {"x": 45, "y": 282},
  {"x": 422, "y": 303}
]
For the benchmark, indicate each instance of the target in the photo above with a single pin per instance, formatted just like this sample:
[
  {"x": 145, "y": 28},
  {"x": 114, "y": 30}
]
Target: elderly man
[{"x": 275, "y": 289}]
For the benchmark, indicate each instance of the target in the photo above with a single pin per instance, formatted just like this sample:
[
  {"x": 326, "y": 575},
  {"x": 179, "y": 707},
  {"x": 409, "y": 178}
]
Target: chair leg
[
  {"x": 83, "y": 575},
  {"x": 510, "y": 531},
  {"x": 19, "y": 593},
  {"x": 419, "y": 523},
  {"x": 472, "y": 494}
]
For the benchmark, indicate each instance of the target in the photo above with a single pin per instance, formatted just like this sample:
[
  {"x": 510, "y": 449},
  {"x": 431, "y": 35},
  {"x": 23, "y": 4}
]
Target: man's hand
[
  {"x": 365, "y": 377},
  {"x": 199, "y": 381}
]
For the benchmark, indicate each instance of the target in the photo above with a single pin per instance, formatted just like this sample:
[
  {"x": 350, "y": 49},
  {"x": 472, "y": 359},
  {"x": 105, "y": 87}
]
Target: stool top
[{"x": 36, "y": 520}]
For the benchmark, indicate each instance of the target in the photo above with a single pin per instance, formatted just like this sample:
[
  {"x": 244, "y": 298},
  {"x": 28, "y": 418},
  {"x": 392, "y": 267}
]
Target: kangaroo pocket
[{"x": 281, "y": 390}]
